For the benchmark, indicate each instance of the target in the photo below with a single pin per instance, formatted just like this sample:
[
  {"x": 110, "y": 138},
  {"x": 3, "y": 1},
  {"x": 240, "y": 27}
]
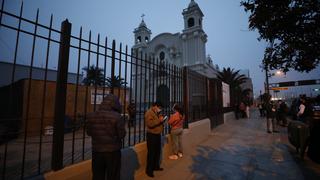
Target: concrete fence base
[{"x": 134, "y": 158}]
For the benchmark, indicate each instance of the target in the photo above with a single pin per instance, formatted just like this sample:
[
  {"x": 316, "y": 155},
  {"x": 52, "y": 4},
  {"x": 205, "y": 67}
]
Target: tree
[
  {"x": 115, "y": 82},
  {"x": 234, "y": 79},
  {"x": 94, "y": 76},
  {"x": 292, "y": 27}
]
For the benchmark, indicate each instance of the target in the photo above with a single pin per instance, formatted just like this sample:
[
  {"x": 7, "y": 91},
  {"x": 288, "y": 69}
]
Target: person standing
[
  {"x": 176, "y": 123},
  {"x": 242, "y": 108},
  {"x": 283, "y": 110},
  {"x": 247, "y": 110},
  {"x": 271, "y": 117},
  {"x": 260, "y": 109},
  {"x": 132, "y": 113},
  {"x": 154, "y": 123},
  {"x": 301, "y": 113},
  {"x": 107, "y": 129}
]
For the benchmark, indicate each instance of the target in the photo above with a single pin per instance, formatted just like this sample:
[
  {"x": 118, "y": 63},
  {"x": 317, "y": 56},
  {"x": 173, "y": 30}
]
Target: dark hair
[
  {"x": 157, "y": 103},
  {"x": 176, "y": 107}
]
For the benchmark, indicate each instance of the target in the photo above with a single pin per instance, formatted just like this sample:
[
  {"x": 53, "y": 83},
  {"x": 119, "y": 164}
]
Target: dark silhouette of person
[{"x": 107, "y": 129}]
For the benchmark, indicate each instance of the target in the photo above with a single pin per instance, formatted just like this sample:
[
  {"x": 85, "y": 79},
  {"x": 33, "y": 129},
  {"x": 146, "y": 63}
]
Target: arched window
[
  {"x": 146, "y": 39},
  {"x": 190, "y": 22},
  {"x": 139, "y": 38}
]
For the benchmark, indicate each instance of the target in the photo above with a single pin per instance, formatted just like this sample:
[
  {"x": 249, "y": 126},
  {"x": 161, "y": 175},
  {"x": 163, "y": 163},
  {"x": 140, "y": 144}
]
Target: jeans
[
  {"x": 176, "y": 136},
  {"x": 106, "y": 164}
]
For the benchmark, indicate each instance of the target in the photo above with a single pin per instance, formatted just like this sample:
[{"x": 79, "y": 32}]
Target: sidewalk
[{"x": 240, "y": 149}]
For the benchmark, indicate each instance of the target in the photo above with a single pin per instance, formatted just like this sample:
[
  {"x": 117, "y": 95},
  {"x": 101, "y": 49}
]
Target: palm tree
[
  {"x": 234, "y": 79},
  {"x": 115, "y": 82},
  {"x": 94, "y": 76}
]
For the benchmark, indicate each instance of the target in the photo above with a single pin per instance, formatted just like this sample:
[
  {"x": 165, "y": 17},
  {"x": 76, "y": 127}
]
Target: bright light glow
[
  {"x": 278, "y": 72},
  {"x": 276, "y": 99}
]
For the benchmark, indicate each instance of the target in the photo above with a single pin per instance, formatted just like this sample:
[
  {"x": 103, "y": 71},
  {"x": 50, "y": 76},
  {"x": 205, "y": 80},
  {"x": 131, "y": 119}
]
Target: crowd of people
[
  {"x": 107, "y": 129},
  {"x": 276, "y": 113}
]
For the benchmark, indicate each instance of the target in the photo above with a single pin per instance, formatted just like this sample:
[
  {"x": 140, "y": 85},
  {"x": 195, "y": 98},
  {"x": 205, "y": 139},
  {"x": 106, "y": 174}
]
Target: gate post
[
  {"x": 60, "y": 99},
  {"x": 186, "y": 96}
]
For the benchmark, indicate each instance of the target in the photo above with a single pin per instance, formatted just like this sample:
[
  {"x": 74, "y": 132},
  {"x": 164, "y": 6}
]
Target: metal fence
[{"x": 43, "y": 112}]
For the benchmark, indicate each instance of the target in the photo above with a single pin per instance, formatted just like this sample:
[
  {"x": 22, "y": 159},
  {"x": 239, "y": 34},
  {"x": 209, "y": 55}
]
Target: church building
[
  {"x": 187, "y": 48},
  {"x": 183, "y": 49}
]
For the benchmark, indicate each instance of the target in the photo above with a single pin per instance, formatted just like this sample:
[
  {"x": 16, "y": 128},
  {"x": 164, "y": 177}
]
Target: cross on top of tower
[{"x": 142, "y": 16}]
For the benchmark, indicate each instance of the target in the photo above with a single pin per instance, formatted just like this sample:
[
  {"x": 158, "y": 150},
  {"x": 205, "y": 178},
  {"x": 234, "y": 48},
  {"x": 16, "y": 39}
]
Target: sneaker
[
  {"x": 173, "y": 157},
  {"x": 180, "y": 155}
]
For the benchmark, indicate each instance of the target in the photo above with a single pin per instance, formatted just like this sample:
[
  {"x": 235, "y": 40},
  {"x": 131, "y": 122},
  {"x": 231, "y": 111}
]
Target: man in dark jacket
[
  {"x": 107, "y": 129},
  {"x": 271, "y": 117}
]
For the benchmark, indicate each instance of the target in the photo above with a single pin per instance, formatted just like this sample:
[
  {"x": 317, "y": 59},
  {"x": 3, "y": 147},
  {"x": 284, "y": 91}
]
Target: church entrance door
[{"x": 163, "y": 95}]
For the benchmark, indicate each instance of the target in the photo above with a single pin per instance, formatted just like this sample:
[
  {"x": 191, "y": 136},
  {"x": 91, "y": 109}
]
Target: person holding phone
[
  {"x": 154, "y": 122},
  {"x": 176, "y": 123}
]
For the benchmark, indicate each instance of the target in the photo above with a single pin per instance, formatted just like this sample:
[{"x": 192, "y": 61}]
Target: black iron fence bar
[
  {"x": 57, "y": 31},
  {"x": 11, "y": 86},
  {"x": 164, "y": 83},
  {"x": 105, "y": 67},
  {"x": 153, "y": 79},
  {"x": 44, "y": 95},
  {"x": 60, "y": 100},
  {"x": 149, "y": 81},
  {"x": 135, "y": 95},
  {"x": 145, "y": 97},
  {"x": 29, "y": 33},
  {"x": 207, "y": 97},
  {"x": 175, "y": 84},
  {"x": 28, "y": 96},
  {"x": 76, "y": 97},
  {"x": 86, "y": 100},
  {"x": 125, "y": 88},
  {"x": 186, "y": 95},
  {"x": 3, "y": 12},
  {"x": 130, "y": 95},
  {"x": 16, "y": 50},
  {"x": 140, "y": 94},
  {"x": 113, "y": 64},
  {"x": 119, "y": 88},
  {"x": 168, "y": 84},
  {"x": 97, "y": 70}
]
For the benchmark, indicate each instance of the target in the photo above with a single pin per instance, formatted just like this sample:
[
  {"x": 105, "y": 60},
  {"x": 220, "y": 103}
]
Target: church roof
[
  {"x": 193, "y": 6},
  {"x": 142, "y": 27},
  {"x": 142, "y": 24},
  {"x": 192, "y": 3}
]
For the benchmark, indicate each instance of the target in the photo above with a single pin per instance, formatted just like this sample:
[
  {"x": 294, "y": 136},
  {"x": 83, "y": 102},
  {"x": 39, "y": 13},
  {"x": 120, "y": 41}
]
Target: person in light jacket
[{"x": 154, "y": 123}]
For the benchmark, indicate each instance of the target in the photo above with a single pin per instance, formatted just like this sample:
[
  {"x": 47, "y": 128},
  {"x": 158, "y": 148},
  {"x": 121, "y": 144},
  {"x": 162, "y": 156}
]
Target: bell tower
[
  {"x": 142, "y": 34},
  {"x": 193, "y": 37}
]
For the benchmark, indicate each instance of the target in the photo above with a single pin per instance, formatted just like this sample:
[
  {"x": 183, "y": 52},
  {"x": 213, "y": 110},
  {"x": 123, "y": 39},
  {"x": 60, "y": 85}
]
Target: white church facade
[
  {"x": 187, "y": 48},
  {"x": 183, "y": 49}
]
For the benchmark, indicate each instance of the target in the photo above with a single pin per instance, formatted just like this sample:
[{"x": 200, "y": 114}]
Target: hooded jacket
[{"x": 105, "y": 126}]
